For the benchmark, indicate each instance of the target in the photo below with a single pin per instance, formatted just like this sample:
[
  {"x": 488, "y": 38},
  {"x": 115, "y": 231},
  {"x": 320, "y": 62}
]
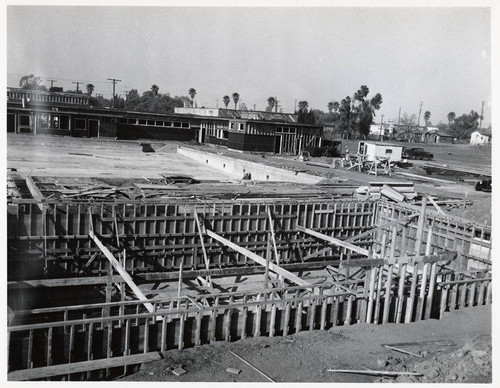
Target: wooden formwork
[
  {"x": 97, "y": 335},
  {"x": 158, "y": 237},
  {"x": 388, "y": 263}
]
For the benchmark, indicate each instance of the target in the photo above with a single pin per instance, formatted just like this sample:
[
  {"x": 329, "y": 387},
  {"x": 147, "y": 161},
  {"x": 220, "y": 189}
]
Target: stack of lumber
[{"x": 396, "y": 191}]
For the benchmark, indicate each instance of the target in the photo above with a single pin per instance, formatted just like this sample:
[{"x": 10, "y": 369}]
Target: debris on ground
[
  {"x": 179, "y": 371},
  {"x": 469, "y": 364}
]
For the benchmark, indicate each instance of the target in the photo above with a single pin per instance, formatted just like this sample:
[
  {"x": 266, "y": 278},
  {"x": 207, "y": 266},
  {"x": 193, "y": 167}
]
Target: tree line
[{"x": 350, "y": 118}]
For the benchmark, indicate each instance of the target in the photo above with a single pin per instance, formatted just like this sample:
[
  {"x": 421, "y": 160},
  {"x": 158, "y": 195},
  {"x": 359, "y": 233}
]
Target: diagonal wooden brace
[{"x": 123, "y": 273}]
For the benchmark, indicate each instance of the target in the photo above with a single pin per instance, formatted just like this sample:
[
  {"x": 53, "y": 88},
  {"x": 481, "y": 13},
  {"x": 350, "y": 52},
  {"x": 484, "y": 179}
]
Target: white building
[
  {"x": 386, "y": 129},
  {"x": 480, "y": 137}
]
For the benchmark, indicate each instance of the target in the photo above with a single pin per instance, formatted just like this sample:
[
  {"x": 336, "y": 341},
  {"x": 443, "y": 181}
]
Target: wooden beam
[
  {"x": 154, "y": 277},
  {"x": 438, "y": 208},
  {"x": 84, "y": 366},
  {"x": 116, "y": 265},
  {"x": 35, "y": 192},
  {"x": 260, "y": 260},
  {"x": 335, "y": 241},
  {"x": 205, "y": 256}
]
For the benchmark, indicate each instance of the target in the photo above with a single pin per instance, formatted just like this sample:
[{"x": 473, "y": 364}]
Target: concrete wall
[{"x": 236, "y": 168}]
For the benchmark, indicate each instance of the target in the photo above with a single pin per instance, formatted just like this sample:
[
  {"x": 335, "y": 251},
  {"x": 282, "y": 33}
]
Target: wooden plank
[
  {"x": 430, "y": 295},
  {"x": 83, "y": 366},
  {"x": 35, "y": 192},
  {"x": 438, "y": 208},
  {"x": 411, "y": 299},
  {"x": 335, "y": 241},
  {"x": 122, "y": 272},
  {"x": 202, "y": 243},
  {"x": 273, "y": 267},
  {"x": 371, "y": 290},
  {"x": 376, "y": 318},
  {"x": 401, "y": 295},
  {"x": 390, "y": 193},
  {"x": 387, "y": 298}
]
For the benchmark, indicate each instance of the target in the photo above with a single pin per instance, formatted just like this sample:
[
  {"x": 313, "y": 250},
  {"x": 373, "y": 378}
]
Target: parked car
[
  {"x": 417, "y": 153},
  {"x": 484, "y": 185}
]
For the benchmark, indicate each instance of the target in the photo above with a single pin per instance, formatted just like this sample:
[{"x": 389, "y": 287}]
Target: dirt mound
[{"x": 469, "y": 364}]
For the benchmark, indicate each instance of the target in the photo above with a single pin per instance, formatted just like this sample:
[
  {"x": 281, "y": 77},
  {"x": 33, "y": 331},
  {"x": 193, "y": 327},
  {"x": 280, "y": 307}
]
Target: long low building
[{"x": 68, "y": 114}]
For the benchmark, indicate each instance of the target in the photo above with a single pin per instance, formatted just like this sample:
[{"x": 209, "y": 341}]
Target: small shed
[
  {"x": 380, "y": 151},
  {"x": 480, "y": 137}
]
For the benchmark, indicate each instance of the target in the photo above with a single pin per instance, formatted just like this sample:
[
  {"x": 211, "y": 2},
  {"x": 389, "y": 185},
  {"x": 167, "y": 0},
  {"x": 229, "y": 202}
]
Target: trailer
[{"x": 380, "y": 151}]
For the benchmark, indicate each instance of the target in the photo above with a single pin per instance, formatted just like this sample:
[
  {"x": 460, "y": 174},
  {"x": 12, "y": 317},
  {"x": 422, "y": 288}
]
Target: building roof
[
  {"x": 443, "y": 134},
  {"x": 484, "y": 131}
]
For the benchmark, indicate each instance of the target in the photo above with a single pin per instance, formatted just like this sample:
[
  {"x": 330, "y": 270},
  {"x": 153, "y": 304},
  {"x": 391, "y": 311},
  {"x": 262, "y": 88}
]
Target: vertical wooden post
[
  {"x": 387, "y": 299},
  {"x": 411, "y": 299},
  {"x": 258, "y": 317},
  {"x": 182, "y": 322},
  {"x": 401, "y": 295},
  {"x": 197, "y": 337},
  {"x": 444, "y": 298},
  {"x": 312, "y": 314},
  {"x": 298, "y": 317},
  {"x": 179, "y": 288},
  {"x": 425, "y": 272},
  {"x": 323, "y": 311},
  {"x": 163, "y": 345},
  {"x": 472, "y": 294},
  {"x": 430, "y": 295},
  {"x": 376, "y": 318},
  {"x": 272, "y": 323},
  {"x": 350, "y": 301},
  {"x": 286, "y": 322},
  {"x": 244, "y": 319},
  {"x": 266, "y": 273},
  {"x": 373, "y": 275}
]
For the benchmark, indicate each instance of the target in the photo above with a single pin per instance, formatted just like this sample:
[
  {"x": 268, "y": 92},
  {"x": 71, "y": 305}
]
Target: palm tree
[
  {"x": 192, "y": 94},
  {"x": 336, "y": 106},
  {"x": 303, "y": 105},
  {"x": 226, "y": 100},
  {"x": 451, "y": 117},
  {"x": 90, "y": 89},
  {"x": 155, "y": 89},
  {"x": 236, "y": 98},
  {"x": 330, "y": 107},
  {"x": 271, "y": 101},
  {"x": 427, "y": 116}
]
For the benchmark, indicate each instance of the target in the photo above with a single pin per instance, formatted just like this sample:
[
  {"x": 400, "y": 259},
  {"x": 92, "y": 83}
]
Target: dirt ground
[{"x": 307, "y": 356}]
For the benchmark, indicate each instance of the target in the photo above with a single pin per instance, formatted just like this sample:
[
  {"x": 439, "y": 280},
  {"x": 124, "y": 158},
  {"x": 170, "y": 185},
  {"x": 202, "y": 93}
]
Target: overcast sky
[{"x": 440, "y": 56}]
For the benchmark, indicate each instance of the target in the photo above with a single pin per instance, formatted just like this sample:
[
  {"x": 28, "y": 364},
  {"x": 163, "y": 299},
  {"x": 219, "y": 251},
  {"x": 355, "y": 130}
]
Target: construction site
[{"x": 170, "y": 261}]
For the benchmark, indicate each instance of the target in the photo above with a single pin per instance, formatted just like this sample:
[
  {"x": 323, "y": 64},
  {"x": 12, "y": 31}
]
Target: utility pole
[
  {"x": 276, "y": 104},
  {"x": 114, "y": 80},
  {"x": 126, "y": 94},
  {"x": 77, "y": 85},
  {"x": 419, "y": 113},
  {"x": 481, "y": 117},
  {"x": 399, "y": 116},
  {"x": 52, "y": 82},
  {"x": 254, "y": 107}
]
